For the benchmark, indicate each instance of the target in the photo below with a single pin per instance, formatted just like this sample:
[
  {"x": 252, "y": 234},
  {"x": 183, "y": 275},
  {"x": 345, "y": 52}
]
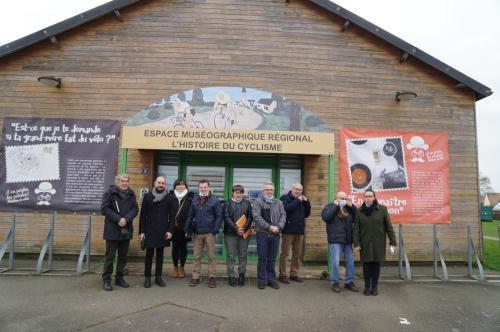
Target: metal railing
[{"x": 46, "y": 252}]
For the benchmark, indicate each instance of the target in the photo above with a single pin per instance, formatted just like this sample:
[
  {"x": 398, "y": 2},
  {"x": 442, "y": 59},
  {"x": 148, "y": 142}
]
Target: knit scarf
[
  {"x": 158, "y": 195},
  {"x": 181, "y": 195},
  {"x": 123, "y": 193}
]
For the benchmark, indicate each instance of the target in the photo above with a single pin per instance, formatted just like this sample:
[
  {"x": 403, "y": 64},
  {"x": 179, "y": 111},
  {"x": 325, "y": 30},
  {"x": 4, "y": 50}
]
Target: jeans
[
  {"x": 199, "y": 241},
  {"x": 109, "y": 259},
  {"x": 236, "y": 244},
  {"x": 267, "y": 250},
  {"x": 148, "y": 263},
  {"x": 335, "y": 250}
]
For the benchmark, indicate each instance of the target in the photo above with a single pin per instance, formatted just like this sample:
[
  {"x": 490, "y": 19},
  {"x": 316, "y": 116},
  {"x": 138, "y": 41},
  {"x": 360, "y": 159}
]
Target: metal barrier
[
  {"x": 9, "y": 242},
  {"x": 85, "y": 250},
  {"x": 472, "y": 249},
  {"x": 437, "y": 252},
  {"x": 402, "y": 254},
  {"x": 46, "y": 250}
]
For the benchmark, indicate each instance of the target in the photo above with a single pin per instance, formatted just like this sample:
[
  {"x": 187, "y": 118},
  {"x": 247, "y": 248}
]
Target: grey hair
[
  {"x": 268, "y": 183},
  {"x": 121, "y": 176}
]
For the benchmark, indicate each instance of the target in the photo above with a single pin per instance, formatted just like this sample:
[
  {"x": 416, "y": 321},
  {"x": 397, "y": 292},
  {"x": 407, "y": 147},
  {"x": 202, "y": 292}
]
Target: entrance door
[
  {"x": 251, "y": 179},
  {"x": 216, "y": 175}
]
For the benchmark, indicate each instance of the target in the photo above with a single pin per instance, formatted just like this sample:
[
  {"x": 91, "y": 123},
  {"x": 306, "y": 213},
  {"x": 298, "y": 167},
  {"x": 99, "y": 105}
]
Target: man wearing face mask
[
  {"x": 270, "y": 218},
  {"x": 204, "y": 220},
  {"x": 339, "y": 218}
]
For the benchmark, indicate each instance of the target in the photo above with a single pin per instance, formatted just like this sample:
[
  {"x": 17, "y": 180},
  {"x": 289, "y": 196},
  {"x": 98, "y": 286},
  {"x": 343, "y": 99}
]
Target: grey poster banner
[{"x": 57, "y": 165}]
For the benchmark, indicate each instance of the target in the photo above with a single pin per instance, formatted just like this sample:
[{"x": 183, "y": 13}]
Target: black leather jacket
[{"x": 233, "y": 211}]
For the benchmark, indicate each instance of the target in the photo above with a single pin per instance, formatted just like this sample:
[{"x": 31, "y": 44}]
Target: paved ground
[{"x": 56, "y": 303}]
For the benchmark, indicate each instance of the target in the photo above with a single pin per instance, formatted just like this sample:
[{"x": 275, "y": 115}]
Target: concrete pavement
[{"x": 56, "y": 303}]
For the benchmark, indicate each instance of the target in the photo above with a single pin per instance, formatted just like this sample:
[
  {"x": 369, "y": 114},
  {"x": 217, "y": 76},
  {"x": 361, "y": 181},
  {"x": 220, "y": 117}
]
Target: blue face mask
[
  {"x": 268, "y": 199},
  {"x": 236, "y": 200},
  {"x": 343, "y": 202}
]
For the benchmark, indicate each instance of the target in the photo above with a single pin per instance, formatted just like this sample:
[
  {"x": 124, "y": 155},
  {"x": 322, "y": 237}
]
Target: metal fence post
[
  {"x": 12, "y": 243},
  {"x": 51, "y": 244},
  {"x": 400, "y": 251},
  {"x": 469, "y": 252},
  {"x": 89, "y": 243},
  {"x": 434, "y": 249}
]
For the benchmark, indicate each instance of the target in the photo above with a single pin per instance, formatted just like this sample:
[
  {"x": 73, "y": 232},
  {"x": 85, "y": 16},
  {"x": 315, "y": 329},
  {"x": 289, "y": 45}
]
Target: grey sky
[{"x": 463, "y": 34}]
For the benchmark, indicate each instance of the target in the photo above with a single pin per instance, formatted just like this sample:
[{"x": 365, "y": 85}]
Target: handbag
[{"x": 143, "y": 244}]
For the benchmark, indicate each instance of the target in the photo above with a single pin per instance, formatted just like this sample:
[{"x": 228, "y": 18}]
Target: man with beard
[
  {"x": 155, "y": 229},
  {"x": 119, "y": 206}
]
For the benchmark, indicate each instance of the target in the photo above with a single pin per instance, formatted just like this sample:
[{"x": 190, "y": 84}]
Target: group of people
[{"x": 179, "y": 216}]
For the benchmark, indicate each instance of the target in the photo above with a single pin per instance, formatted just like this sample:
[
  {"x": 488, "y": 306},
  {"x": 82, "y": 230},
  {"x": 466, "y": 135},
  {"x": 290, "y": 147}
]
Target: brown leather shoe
[
  {"x": 336, "y": 288},
  {"x": 350, "y": 286},
  {"x": 284, "y": 279},
  {"x": 175, "y": 272},
  {"x": 297, "y": 279},
  {"x": 211, "y": 282},
  {"x": 182, "y": 273},
  {"x": 194, "y": 282}
]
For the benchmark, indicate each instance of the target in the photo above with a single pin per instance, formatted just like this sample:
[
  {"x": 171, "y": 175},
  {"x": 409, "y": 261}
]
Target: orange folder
[{"x": 241, "y": 223}]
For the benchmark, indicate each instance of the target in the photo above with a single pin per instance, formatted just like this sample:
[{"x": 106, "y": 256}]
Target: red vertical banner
[{"x": 407, "y": 170}]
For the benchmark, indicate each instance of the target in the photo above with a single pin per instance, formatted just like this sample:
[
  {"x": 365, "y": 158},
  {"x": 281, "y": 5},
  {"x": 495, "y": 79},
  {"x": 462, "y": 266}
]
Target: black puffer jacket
[
  {"x": 233, "y": 212},
  {"x": 296, "y": 213},
  {"x": 178, "y": 217},
  {"x": 155, "y": 221},
  {"x": 116, "y": 205},
  {"x": 339, "y": 229}
]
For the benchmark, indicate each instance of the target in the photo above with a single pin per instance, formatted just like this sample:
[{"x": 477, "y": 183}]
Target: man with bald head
[
  {"x": 297, "y": 208},
  {"x": 155, "y": 229},
  {"x": 339, "y": 219}
]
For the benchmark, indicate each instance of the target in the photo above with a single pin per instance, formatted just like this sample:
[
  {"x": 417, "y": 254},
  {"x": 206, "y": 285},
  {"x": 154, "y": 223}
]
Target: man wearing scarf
[
  {"x": 155, "y": 229},
  {"x": 270, "y": 218},
  {"x": 204, "y": 219},
  {"x": 371, "y": 225},
  {"x": 119, "y": 206}
]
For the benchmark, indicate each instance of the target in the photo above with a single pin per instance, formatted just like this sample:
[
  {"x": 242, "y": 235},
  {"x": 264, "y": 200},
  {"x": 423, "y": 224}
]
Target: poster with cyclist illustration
[
  {"x": 408, "y": 171},
  {"x": 234, "y": 108}
]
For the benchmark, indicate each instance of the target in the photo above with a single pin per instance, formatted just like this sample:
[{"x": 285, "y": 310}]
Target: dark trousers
[
  {"x": 149, "y": 261},
  {"x": 112, "y": 247},
  {"x": 179, "y": 252},
  {"x": 267, "y": 250},
  {"x": 371, "y": 272}
]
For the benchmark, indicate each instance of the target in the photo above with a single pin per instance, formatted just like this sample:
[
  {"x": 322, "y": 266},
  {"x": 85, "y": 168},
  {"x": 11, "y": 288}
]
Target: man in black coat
[
  {"x": 155, "y": 229},
  {"x": 297, "y": 208},
  {"x": 119, "y": 206}
]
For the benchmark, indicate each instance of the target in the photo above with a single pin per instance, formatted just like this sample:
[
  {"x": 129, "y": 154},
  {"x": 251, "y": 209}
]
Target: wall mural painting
[{"x": 238, "y": 108}]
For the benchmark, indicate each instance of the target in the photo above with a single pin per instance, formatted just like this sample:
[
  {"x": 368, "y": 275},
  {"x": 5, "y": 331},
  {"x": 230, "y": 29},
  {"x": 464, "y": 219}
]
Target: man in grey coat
[{"x": 270, "y": 218}]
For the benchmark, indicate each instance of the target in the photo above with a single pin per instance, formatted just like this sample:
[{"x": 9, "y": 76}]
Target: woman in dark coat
[
  {"x": 155, "y": 229},
  {"x": 179, "y": 208},
  {"x": 371, "y": 225}
]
